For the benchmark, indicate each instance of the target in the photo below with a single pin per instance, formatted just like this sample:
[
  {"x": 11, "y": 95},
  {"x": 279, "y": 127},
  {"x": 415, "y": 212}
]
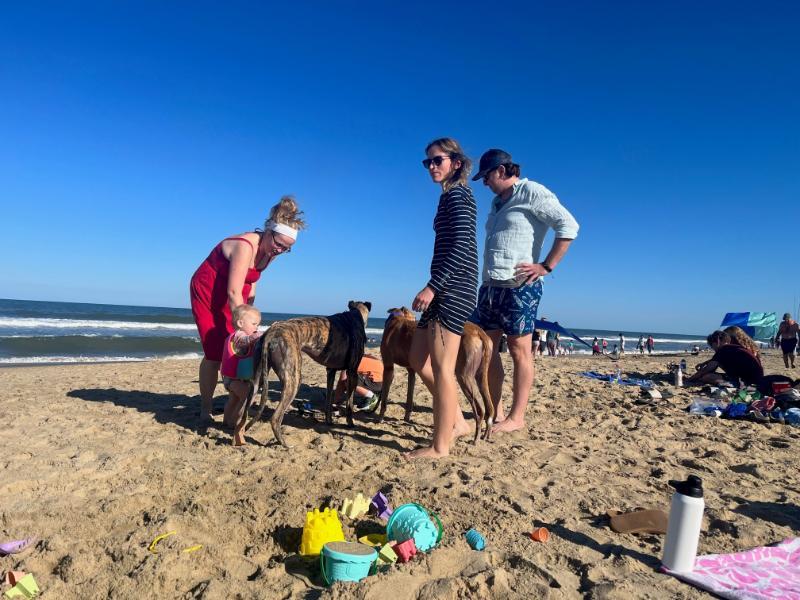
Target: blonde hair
[
  {"x": 241, "y": 311},
  {"x": 740, "y": 338},
  {"x": 287, "y": 212},
  {"x": 453, "y": 149}
]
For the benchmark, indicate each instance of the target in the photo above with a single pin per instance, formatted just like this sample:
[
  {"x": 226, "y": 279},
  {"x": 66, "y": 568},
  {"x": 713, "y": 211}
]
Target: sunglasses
[
  {"x": 282, "y": 248},
  {"x": 436, "y": 160}
]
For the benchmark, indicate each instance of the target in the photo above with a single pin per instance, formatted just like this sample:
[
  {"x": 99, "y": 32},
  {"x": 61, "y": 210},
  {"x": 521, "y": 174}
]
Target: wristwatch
[{"x": 547, "y": 267}]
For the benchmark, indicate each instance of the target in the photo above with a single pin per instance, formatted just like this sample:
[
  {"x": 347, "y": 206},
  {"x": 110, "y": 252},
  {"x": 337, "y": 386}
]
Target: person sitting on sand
[
  {"x": 736, "y": 362},
  {"x": 238, "y": 366},
  {"x": 522, "y": 212},
  {"x": 788, "y": 332},
  {"x": 370, "y": 381},
  {"x": 740, "y": 338}
]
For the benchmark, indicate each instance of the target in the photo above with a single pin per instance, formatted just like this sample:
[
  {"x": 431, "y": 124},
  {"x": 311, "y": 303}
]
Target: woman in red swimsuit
[{"x": 227, "y": 278}]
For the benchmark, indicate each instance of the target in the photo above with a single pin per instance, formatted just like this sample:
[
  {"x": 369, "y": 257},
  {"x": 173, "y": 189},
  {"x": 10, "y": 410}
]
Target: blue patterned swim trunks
[{"x": 513, "y": 310}]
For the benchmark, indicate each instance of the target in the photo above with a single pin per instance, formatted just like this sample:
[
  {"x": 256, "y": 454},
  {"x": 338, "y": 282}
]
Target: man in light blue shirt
[{"x": 522, "y": 212}]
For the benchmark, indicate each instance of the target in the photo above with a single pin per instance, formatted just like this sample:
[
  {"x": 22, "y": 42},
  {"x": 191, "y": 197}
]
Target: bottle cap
[{"x": 693, "y": 486}]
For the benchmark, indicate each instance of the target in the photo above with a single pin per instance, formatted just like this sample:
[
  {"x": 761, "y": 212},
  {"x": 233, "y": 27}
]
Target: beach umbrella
[
  {"x": 554, "y": 326},
  {"x": 758, "y": 325}
]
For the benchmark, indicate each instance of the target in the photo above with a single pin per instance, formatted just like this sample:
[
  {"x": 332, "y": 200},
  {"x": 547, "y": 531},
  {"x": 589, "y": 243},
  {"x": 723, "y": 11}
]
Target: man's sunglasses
[
  {"x": 284, "y": 249},
  {"x": 436, "y": 160}
]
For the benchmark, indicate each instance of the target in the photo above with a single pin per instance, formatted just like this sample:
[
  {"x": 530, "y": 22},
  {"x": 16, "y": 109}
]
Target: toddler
[{"x": 237, "y": 366}]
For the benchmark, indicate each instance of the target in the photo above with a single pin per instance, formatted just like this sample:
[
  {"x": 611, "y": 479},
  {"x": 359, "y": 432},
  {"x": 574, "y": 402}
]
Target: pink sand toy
[
  {"x": 405, "y": 550},
  {"x": 381, "y": 505}
]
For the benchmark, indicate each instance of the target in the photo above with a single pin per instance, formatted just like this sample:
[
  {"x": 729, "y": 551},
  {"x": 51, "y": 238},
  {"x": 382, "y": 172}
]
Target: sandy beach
[{"x": 98, "y": 460}]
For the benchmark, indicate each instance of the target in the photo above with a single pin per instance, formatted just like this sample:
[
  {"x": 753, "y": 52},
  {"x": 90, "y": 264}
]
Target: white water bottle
[
  {"x": 678, "y": 377},
  {"x": 683, "y": 529}
]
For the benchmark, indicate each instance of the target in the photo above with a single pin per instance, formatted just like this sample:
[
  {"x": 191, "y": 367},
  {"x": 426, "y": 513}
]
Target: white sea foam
[
  {"x": 37, "y": 323},
  {"x": 44, "y": 360}
]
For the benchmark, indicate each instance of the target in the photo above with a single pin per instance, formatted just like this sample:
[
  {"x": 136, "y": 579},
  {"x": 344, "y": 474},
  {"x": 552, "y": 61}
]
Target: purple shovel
[{"x": 15, "y": 546}]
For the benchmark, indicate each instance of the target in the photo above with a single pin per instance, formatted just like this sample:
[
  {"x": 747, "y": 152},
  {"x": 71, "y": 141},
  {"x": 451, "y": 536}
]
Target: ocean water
[{"x": 33, "y": 332}]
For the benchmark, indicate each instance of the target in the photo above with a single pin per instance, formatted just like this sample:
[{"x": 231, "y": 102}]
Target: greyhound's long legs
[
  {"x": 352, "y": 380},
  {"x": 410, "y": 395},
  {"x": 290, "y": 378},
  {"x": 329, "y": 395},
  {"x": 468, "y": 387},
  {"x": 388, "y": 376}
]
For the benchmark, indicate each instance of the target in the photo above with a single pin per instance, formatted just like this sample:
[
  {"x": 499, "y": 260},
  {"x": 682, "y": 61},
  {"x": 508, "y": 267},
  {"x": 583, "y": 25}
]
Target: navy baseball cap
[{"x": 490, "y": 160}]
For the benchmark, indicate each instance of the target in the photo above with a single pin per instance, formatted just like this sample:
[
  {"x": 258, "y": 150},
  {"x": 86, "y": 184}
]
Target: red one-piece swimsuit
[{"x": 208, "y": 292}]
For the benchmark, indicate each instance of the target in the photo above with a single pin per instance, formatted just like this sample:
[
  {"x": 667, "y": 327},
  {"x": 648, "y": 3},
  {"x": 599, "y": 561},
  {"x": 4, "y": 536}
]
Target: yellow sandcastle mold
[
  {"x": 355, "y": 507},
  {"x": 320, "y": 528}
]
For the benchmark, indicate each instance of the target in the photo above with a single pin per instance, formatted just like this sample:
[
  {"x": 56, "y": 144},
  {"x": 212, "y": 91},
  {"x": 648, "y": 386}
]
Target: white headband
[{"x": 282, "y": 229}]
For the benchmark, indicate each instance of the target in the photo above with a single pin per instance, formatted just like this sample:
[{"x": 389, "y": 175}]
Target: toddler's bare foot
[
  {"x": 426, "y": 452},
  {"x": 507, "y": 426},
  {"x": 238, "y": 438}
]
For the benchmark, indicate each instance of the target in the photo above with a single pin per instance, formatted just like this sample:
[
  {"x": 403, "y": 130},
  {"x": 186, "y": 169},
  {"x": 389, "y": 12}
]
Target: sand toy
[
  {"x": 24, "y": 588},
  {"x": 346, "y": 561},
  {"x": 373, "y": 539},
  {"x": 413, "y": 521},
  {"x": 381, "y": 505},
  {"x": 475, "y": 539},
  {"x": 157, "y": 540},
  {"x": 15, "y": 546},
  {"x": 320, "y": 528},
  {"x": 405, "y": 550},
  {"x": 387, "y": 555},
  {"x": 355, "y": 507},
  {"x": 12, "y": 577},
  {"x": 540, "y": 534}
]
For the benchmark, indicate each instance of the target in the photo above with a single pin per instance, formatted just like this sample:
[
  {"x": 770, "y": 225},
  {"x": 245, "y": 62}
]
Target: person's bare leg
[
  {"x": 519, "y": 346},
  {"x": 443, "y": 345},
  {"x": 496, "y": 376},
  {"x": 237, "y": 396},
  {"x": 419, "y": 357},
  {"x": 208, "y": 377}
]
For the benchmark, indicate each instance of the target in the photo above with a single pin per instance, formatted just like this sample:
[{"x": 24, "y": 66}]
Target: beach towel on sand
[
  {"x": 644, "y": 383},
  {"x": 760, "y": 573}
]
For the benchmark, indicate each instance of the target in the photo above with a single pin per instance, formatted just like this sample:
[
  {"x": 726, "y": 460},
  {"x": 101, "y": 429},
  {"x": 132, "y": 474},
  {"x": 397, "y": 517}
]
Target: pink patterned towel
[{"x": 760, "y": 573}]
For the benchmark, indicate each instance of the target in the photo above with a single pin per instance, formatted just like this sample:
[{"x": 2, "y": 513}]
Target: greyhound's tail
[
  {"x": 484, "y": 385},
  {"x": 260, "y": 378}
]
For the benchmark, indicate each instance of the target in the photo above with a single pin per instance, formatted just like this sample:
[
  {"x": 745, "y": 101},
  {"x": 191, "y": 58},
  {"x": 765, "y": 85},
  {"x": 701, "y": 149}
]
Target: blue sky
[{"x": 135, "y": 136}]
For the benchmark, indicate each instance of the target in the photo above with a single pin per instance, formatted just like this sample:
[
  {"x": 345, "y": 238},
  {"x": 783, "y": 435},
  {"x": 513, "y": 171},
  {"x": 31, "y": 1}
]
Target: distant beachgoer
[
  {"x": 605, "y": 345},
  {"x": 448, "y": 299},
  {"x": 552, "y": 336},
  {"x": 651, "y": 344},
  {"x": 595, "y": 346},
  {"x": 570, "y": 347},
  {"x": 739, "y": 336},
  {"x": 788, "y": 332},
  {"x": 615, "y": 351},
  {"x": 238, "y": 364},
  {"x": 621, "y": 344},
  {"x": 535, "y": 343},
  {"x": 227, "y": 279},
  {"x": 736, "y": 363},
  {"x": 640, "y": 344},
  {"x": 521, "y": 214}
]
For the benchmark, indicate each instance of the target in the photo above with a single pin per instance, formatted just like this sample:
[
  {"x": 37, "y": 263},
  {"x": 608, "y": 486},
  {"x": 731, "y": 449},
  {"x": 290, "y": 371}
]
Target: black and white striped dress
[{"x": 454, "y": 267}]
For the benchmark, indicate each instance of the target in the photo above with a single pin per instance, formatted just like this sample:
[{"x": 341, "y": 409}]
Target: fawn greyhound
[
  {"x": 472, "y": 365},
  {"x": 336, "y": 342}
]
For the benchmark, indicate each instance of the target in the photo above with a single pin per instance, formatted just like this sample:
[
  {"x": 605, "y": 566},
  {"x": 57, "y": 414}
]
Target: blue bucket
[
  {"x": 413, "y": 521},
  {"x": 346, "y": 561}
]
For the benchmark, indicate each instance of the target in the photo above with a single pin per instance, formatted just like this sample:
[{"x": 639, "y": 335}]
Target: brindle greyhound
[
  {"x": 336, "y": 342},
  {"x": 472, "y": 365}
]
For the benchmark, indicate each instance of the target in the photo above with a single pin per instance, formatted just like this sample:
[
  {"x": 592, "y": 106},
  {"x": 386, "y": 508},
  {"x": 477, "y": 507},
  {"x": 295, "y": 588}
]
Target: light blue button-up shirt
[{"x": 516, "y": 228}]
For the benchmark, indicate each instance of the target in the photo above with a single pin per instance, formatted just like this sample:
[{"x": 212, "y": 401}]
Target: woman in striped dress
[{"x": 450, "y": 295}]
